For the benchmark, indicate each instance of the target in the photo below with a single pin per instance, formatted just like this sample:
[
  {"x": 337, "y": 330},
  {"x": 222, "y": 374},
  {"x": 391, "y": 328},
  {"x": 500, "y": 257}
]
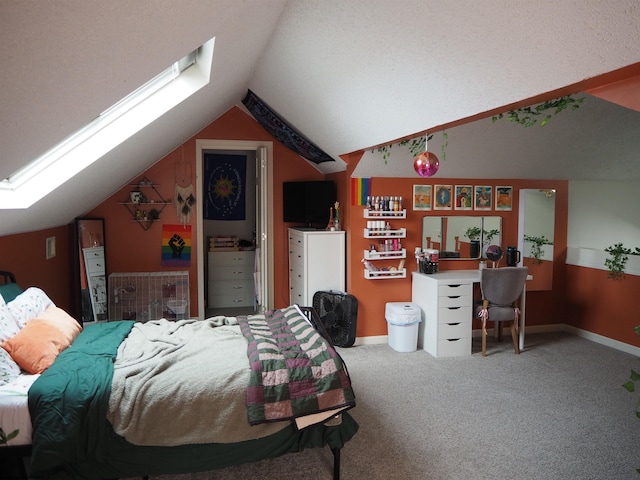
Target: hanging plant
[
  {"x": 536, "y": 246},
  {"x": 617, "y": 261},
  {"x": 529, "y": 116}
]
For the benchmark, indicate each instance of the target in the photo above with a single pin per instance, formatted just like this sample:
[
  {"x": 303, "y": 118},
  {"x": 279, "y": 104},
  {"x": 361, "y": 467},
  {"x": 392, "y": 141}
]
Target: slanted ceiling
[{"x": 347, "y": 74}]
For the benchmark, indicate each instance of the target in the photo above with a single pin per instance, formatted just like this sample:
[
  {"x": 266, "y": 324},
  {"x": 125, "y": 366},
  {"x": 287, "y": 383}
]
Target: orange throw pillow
[{"x": 39, "y": 343}]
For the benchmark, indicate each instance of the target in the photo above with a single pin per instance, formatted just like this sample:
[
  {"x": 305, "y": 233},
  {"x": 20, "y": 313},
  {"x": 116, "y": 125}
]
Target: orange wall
[
  {"x": 129, "y": 248},
  {"x": 374, "y": 294},
  {"x": 25, "y": 255}
]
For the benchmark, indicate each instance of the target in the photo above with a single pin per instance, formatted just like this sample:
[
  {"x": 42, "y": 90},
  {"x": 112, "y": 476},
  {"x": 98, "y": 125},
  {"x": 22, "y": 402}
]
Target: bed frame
[{"x": 15, "y": 457}]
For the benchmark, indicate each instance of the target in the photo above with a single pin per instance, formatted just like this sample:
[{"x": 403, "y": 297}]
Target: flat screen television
[{"x": 308, "y": 203}]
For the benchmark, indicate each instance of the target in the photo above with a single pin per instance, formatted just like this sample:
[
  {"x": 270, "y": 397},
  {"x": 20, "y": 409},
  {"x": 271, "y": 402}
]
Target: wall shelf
[
  {"x": 385, "y": 214},
  {"x": 400, "y": 233},
  {"x": 385, "y": 274},
  {"x": 373, "y": 255},
  {"x": 150, "y": 205}
]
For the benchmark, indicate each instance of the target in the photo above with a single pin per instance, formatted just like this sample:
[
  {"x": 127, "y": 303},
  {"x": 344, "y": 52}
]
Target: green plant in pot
[
  {"x": 473, "y": 234},
  {"x": 617, "y": 261},
  {"x": 536, "y": 246}
]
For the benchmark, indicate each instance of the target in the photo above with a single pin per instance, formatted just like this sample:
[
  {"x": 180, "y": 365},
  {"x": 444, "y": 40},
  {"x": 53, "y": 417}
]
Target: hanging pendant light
[{"x": 426, "y": 164}]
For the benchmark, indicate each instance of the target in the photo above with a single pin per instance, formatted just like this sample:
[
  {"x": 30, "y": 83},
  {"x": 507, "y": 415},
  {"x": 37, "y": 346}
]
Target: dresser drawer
[
  {"x": 231, "y": 287},
  {"x": 231, "y": 273},
  {"x": 224, "y": 301},
  {"x": 296, "y": 254},
  {"x": 454, "y": 330},
  {"x": 228, "y": 259},
  {"x": 455, "y": 315},
  {"x": 452, "y": 347},
  {"x": 455, "y": 289},
  {"x": 95, "y": 265},
  {"x": 454, "y": 301}
]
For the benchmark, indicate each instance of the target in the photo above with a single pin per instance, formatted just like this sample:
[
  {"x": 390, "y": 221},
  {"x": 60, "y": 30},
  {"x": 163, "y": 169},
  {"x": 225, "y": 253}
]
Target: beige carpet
[{"x": 557, "y": 411}]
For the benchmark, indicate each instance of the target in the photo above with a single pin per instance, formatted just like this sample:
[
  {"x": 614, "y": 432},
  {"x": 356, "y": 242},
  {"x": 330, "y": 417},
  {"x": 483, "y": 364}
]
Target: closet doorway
[{"x": 259, "y": 179}]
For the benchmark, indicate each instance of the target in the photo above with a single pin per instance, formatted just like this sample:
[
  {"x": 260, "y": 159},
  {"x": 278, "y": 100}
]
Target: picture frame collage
[{"x": 463, "y": 197}]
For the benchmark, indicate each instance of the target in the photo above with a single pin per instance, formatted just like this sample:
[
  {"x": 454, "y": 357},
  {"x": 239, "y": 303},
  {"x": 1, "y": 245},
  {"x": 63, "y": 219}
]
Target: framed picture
[
  {"x": 422, "y": 197},
  {"x": 464, "y": 197},
  {"x": 504, "y": 198},
  {"x": 443, "y": 197},
  {"x": 482, "y": 197}
]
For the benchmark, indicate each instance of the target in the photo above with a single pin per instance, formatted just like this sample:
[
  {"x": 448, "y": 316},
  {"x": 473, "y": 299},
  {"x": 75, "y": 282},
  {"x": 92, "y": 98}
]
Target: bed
[{"x": 109, "y": 404}]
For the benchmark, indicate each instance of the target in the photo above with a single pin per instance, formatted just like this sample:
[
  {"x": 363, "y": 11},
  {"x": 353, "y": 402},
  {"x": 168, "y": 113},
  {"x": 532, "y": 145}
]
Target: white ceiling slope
[{"x": 348, "y": 74}]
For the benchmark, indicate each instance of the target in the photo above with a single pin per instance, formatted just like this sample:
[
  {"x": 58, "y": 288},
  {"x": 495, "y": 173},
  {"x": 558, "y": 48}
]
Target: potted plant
[
  {"x": 536, "y": 246},
  {"x": 617, "y": 261},
  {"x": 473, "y": 234}
]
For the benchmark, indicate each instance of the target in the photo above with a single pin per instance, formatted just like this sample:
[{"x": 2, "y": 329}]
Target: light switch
[{"x": 51, "y": 247}]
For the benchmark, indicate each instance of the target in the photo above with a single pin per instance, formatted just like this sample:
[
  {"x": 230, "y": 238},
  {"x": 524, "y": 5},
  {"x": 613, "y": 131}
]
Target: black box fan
[{"x": 338, "y": 312}]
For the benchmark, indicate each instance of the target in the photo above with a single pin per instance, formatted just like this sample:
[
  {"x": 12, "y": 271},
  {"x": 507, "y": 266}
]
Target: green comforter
[{"x": 73, "y": 439}]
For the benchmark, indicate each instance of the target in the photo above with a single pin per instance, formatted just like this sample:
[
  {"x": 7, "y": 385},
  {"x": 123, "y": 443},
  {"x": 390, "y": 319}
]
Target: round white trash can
[{"x": 403, "y": 319}]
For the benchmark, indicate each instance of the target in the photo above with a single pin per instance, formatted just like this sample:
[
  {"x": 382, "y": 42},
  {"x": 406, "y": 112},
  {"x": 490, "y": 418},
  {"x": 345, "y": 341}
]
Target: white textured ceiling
[{"x": 348, "y": 74}]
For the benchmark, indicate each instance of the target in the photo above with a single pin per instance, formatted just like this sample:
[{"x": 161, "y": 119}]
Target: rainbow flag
[
  {"x": 360, "y": 190},
  {"x": 176, "y": 245}
]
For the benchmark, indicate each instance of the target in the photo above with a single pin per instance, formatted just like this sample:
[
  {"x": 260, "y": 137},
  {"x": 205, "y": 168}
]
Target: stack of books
[{"x": 220, "y": 243}]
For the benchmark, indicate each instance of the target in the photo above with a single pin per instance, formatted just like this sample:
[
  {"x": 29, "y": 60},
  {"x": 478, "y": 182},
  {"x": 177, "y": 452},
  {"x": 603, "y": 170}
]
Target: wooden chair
[{"x": 501, "y": 289}]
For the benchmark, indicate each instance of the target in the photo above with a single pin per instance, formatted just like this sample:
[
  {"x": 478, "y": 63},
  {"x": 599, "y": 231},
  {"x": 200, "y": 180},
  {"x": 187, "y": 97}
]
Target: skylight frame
[{"x": 112, "y": 127}]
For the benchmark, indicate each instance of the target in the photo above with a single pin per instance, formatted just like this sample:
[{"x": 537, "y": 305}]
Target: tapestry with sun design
[{"x": 224, "y": 186}]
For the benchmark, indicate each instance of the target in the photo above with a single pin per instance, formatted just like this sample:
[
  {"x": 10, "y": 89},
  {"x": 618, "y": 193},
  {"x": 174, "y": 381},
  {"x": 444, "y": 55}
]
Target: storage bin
[{"x": 402, "y": 325}]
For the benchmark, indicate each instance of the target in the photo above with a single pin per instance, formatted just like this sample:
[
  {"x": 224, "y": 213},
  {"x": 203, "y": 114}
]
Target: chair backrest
[{"x": 504, "y": 285}]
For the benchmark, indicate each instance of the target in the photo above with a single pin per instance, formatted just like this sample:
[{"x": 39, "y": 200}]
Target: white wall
[{"x": 602, "y": 214}]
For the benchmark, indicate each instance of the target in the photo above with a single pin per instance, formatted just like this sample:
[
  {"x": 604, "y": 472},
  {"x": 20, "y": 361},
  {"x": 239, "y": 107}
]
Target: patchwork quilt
[{"x": 295, "y": 372}]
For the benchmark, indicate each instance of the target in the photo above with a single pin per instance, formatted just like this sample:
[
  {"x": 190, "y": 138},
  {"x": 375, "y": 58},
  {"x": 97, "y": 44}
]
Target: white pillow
[
  {"x": 29, "y": 304},
  {"x": 9, "y": 369},
  {"x": 8, "y": 325}
]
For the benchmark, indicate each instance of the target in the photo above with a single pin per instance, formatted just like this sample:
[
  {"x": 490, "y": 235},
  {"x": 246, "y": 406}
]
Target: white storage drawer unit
[
  {"x": 316, "y": 262},
  {"x": 446, "y": 300},
  {"x": 231, "y": 279}
]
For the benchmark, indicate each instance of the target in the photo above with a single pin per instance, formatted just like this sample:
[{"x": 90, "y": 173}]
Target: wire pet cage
[{"x": 144, "y": 296}]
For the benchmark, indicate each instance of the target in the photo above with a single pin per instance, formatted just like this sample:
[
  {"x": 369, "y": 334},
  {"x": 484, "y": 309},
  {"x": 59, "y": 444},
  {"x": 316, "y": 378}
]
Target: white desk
[{"x": 446, "y": 301}]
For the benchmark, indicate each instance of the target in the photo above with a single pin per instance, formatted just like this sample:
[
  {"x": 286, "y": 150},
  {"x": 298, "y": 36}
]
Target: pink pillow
[{"x": 39, "y": 343}]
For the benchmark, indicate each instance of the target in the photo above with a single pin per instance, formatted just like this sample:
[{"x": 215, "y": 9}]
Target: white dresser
[
  {"x": 231, "y": 279},
  {"x": 316, "y": 262},
  {"x": 446, "y": 301}
]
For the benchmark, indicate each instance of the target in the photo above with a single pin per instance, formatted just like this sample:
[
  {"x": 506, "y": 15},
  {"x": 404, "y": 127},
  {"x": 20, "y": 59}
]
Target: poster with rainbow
[{"x": 176, "y": 245}]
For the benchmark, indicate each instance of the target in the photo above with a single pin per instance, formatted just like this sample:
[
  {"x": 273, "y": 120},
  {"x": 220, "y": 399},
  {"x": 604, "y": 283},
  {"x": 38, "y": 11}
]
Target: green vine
[
  {"x": 415, "y": 146},
  {"x": 617, "y": 261},
  {"x": 529, "y": 116},
  {"x": 473, "y": 233},
  {"x": 536, "y": 246}
]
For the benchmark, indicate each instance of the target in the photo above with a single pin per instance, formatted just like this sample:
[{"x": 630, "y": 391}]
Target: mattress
[{"x": 14, "y": 409}]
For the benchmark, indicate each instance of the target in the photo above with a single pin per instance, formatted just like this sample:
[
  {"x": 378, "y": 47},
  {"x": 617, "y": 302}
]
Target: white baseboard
[{"x": 557, "y": 327}]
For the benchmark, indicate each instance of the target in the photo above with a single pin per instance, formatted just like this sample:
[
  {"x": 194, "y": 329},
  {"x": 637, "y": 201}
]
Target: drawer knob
[{"x": 454, "y": 308}]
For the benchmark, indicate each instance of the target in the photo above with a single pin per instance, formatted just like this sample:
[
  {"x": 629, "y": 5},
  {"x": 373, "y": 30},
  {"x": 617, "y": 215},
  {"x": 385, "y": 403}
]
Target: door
[{"x": 264, "y": 209}]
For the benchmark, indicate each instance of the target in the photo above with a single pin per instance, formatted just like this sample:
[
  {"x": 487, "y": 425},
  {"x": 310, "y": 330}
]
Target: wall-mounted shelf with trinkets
[{"x": 145, "y": 204}]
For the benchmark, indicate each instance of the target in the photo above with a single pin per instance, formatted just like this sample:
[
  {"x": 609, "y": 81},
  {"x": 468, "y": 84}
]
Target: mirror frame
[{"x": 90, "y": 233}]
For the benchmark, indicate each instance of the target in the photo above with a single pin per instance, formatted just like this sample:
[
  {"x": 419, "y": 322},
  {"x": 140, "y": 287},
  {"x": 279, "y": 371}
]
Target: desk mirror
[{"x": 461, "y": 237}]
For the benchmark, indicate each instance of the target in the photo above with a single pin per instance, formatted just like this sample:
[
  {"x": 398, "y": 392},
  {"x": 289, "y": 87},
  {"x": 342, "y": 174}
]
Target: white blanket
[{"x": 184, "y": 382}]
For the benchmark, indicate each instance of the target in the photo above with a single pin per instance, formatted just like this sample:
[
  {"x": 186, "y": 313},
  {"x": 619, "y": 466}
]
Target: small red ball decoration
[{"x": 426, "y": 164}]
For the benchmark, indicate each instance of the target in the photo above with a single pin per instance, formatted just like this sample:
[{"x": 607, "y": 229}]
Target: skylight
[{"x": 112, "y": 127}]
